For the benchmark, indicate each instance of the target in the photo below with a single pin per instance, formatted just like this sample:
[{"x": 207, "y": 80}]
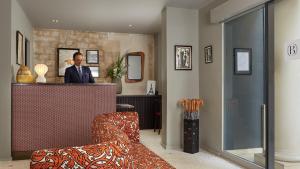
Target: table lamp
[{"x": 41, "y": 70}]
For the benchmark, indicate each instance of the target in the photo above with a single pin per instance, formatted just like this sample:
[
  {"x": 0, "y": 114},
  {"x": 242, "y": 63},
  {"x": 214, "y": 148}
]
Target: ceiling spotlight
[{"x": 55, "y": 20}]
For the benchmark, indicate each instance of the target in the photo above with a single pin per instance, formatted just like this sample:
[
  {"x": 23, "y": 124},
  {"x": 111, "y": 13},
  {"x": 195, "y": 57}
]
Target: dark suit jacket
[{"x": 72, "y": 75}]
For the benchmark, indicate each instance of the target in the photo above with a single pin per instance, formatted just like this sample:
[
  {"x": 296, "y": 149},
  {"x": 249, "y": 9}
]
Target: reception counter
[{"x": 56, "y": 115}]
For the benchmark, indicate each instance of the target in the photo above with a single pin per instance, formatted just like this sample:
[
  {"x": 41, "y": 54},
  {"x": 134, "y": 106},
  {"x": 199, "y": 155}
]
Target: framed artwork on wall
[
  {"x": 19, "y": 48},
  {"x": 208, "y": 57},
  {"x": 65, "y": 59},
  {"x": 183, "y": 57},
  {"x": 95, "y": 71},
  {"x": 242, "y": 61},
  {"x": 92, "y": 56},
  {"x": 135, "y": 67},
  {"x": 27, "y": 50}
]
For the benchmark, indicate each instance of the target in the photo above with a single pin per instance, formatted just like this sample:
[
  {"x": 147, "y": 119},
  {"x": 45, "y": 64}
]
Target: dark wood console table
[{"x": 145, "y": 105}]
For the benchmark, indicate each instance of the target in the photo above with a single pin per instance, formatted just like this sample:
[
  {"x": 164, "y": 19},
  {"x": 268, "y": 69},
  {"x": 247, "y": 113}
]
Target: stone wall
[{"x": 110, "y": 46}]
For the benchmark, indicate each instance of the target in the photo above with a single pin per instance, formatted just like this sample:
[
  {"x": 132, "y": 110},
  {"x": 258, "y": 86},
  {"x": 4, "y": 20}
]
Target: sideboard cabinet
[{"x": 145, "y": 105}]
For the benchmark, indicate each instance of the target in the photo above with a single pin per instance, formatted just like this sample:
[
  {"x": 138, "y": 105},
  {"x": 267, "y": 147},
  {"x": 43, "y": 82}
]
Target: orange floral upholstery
[
  {"x": 117, "y": 146},
  {"x": 128, "y": 122},
  {"x": 110, "y": 132},
  {"x": 143, "y": 158},
  {"x": 112, "y": 154}
]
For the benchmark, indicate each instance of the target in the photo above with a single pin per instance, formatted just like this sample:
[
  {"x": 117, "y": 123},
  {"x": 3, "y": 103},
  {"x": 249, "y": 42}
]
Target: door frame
[
  {"x": 269, "y": 87},
  {"x": 270, "y": 115}
]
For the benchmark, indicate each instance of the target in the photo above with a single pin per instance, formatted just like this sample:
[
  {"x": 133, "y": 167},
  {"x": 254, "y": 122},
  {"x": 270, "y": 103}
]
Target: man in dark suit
[{"x": 78, "y": 73}]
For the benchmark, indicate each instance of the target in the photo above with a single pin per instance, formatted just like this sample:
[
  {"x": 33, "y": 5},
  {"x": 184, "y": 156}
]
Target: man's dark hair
[{"x": 76, "y": 54}]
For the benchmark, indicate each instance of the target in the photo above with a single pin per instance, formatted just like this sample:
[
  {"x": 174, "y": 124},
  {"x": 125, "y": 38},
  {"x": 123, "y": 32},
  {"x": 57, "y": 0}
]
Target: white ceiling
[{"x": 103, "y": 15}]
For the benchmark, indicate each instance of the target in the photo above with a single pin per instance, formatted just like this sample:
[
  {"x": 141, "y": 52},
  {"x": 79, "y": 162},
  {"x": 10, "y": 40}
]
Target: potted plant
[{"x": 116, "y": 71}]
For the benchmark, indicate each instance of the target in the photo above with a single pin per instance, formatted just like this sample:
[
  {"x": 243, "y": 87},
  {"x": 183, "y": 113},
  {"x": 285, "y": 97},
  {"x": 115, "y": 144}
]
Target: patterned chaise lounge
[
  {"x": 125, "y": 125},
  {"x": 116, "y": 137}
]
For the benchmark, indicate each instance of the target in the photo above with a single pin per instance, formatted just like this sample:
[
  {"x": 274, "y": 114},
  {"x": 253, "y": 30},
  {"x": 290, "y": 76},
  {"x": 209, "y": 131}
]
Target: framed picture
[
  {"x": 150, "y": 87},
  {"x": 27, "y": 50},
  {"x": 92, "y": 56},
  {"x": 135, "y": 69},
  {"x": 208, "y": 57},
  {"x": 94, "y": 71},
  {"x": 65, "y": 59},
  {"x": 183, "y": 57},
  {"x": 242, "y": 61},
  {"x": 19, "y": 47}
]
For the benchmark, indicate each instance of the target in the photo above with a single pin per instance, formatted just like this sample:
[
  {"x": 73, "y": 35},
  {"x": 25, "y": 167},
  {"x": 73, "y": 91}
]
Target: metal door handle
[{"x": 263, "y": 115}]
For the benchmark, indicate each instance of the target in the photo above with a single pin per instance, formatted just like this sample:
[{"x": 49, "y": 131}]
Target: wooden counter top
[{"x": 63, "y": 84}]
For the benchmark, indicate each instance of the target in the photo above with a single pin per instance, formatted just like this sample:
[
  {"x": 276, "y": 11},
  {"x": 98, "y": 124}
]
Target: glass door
[{"x": 246, "y": 86}]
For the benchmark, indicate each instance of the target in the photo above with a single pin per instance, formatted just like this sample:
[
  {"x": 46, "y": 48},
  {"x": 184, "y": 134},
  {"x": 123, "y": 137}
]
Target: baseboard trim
[
  {"x": 6, "y": 159},
  {"x": 21, "y": 155},
  {"x": 163, "y": 145},
  {"x": 170, "y": 147},
  {"x": 215, "y": 152}
]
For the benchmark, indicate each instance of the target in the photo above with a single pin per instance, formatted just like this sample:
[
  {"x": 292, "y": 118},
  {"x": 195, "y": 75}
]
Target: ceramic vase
[{"x": 119, "y": 85}]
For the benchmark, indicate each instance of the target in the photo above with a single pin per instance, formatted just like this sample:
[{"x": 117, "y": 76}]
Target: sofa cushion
[
  {"x": 128, "y": 122},
  {"x": 112, "y": 154},
  {"x": 143, "y": 158},
  {"x": 109, "y": 132}
]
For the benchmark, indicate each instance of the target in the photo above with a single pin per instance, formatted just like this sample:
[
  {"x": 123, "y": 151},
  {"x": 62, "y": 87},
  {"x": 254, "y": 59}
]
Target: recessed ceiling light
[
  {"x": 55, "y": 20},
  {"x": 130, "y": 26}
]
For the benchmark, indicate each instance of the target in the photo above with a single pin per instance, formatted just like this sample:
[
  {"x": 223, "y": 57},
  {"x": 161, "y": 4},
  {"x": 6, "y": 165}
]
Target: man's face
[{"x": 78, "y": 60}]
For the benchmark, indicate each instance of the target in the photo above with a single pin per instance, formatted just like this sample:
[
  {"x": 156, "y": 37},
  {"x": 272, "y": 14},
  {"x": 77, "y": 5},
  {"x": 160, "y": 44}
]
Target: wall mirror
[{"x": 135, "y": 69}]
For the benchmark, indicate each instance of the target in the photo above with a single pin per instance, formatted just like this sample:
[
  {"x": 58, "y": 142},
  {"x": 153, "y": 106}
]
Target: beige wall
[
  {"x": 110, "y": 46},
  {"x": 5, "y": 74},
  {"x": 12, "y": 19},
  {"x": 210, "y": 82},
  {"x": 287, "y": 80},
  {"x": 180, "y": 28},
  {"x": 20, "y": 22}
]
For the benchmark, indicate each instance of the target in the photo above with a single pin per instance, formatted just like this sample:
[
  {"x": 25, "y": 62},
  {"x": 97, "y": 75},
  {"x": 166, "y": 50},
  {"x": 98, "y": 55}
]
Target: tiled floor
[
  {"x": 177, "y": 158},
  {"x": 181, "y": 160}
]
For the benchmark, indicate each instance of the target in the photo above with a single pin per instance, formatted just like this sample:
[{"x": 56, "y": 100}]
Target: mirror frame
[{"x": 142, "y": 55}]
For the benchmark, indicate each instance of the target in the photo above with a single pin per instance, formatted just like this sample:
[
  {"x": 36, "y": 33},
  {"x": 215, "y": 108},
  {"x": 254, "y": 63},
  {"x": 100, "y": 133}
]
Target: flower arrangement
[
  {"x": 191, "y": 107},
  {"x": 117, "y": 70}
]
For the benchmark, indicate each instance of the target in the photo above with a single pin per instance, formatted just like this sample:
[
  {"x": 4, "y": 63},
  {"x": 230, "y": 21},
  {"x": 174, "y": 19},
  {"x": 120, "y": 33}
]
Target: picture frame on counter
[{"x": 150, "y": 90}]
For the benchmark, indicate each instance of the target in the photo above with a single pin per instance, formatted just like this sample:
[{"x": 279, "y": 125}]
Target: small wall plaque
[
  {"x": 208, "y": 57},
  {"x": 292, "y": 49}
]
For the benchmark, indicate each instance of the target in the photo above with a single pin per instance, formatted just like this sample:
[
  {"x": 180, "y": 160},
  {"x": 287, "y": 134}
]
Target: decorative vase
[
  {"x": 119, "y": 85},
  {"x": 24, "y": 75}
]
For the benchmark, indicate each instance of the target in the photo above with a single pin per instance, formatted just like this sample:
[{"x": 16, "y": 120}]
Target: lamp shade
[{"x": 41, "y": 70}]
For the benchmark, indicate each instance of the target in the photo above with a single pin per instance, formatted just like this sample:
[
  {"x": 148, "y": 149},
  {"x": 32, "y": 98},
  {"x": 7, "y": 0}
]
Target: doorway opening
[{"x": 246, "y": 87}]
